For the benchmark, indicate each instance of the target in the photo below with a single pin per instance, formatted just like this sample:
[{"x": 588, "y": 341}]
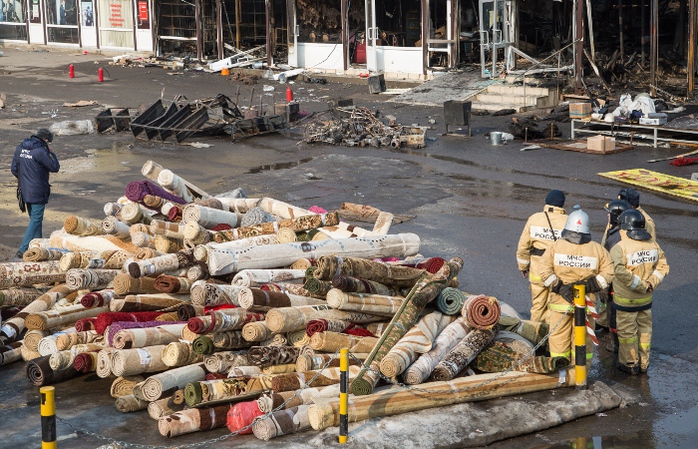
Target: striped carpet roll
[
  {"x": 382, "y": 305},
  {"x": 356, "y": 285},
  {"x": 14, "y": 326},
  {"x": 130, "y": 403},
  {"x": 167, "y": 229},
  {"x": 156, "y": 385},
  {"x": 255, "y": 278},
  {"x": 288, "y": 319},
  {"x": 127, "y": 362},
  {"x": 124, "y": 385},
  {"x": 282, "y": 422},
  {"x": 193, "y": 420},
  {"x": 334, "y": 341}
]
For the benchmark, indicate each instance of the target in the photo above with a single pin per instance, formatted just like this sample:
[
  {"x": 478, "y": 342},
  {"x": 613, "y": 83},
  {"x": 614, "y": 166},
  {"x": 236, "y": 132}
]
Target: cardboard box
[
  {"x": 601, "y": 144},
  {"x": 580, "y": 110},
  {"x": 655, "y": 119}
]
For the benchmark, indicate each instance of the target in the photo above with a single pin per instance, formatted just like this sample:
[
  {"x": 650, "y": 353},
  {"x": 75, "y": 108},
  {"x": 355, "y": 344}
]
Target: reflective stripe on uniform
[
  {"x": 658, "y": 275},
  {"x": 566, "y": 354},
  {"x": 627, "y": 341},
  {"x": 627, "y": 302}
]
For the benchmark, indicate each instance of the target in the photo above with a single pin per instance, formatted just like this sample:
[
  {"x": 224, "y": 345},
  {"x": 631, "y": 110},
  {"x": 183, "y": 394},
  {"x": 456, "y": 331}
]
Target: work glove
[
  {"x": 592, "y": 285},
  {"x": 555, "y": 288},
  {"x": 567, "y": 292}
]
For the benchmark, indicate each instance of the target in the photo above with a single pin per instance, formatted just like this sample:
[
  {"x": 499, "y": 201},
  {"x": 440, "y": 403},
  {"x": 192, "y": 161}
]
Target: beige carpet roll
[
  {"x": 382, "y": 305},
  {"x": 282, "y": 209},
  {"x": 175, "y": 184},
  {"x": 234, "y": 203},
  {"x": 229, "y": 340},
  {"x": 95, "y": 243},
  {"x": 18, "y": 297},
  {"x": 127, "y": 362},
  {"x": 113, "y": 226},
  {"x": 142, "y": 240},
  {"x": 111, "y": 259},
  {"x": 90, "y": 279},
  {"x": 132, "y": 213},
  {"x": 11, "y": 353},
  {"x": 193, "y": 420},
  {"x": 13, "y": 327},
  {"x": 112, "y": 208},
  {"x": 222, "y": 320},
  {"x": 293, "y": 289},
  {"x": 295, "y": 381},
  {"x": 289, "y": 319},
  {"x": 27, "y": 354},
  {"x": 124, "y": 385},
  {"x": 61, "y": 317},
  {"x": 145, "y": 303},
  {"x": 158, "y": 384},
  {"x": 279, "y": 369},
  {"x": 286, "y": 235},
  {"x": 256, "y": 299},
  {"x": 28, "y": 274},
  {"x": 42, "y": 254},
  {"x": 207, "y": 294},
  {"x": 196, "y": 234},
  {"x": 420, "y": 370},
  {"x": 81, "y": 226},
  {"x": 245, "y": 370},
  {"x": 319, "y": 361},
  {"x": 256, "y": 331},
  {"x": 298, "y": 338},
  {"x": 416, "y": 341},
  {"x": 48, "y": 346},
  {"x": 208, "y": 217},
  {"x": 188, "y": 335},
  {"x": 225, "y": 261},
  {"x": 334, "y": 341},
  {"x": 151, "y": 170},
  {"x": 172, "y": 284},
  {"x": 222, "y": 362},
  {"x": 270, "y": 401},
  {"x": 463, "y": 389},
  {"x": 180, "y": 353},
  {"x": 125, "y": 284},
  {"x": 66, "y": 340},
  {"x": 32, "y": 339},
  {"x": 396, "y": 276},
  {"x": 208, "y": 392},
  {"x": 147, "y": 336},
  {"x": 167, "y": 229},
  {"x": 164, "y": 407},
  {"x": 104, "y": 362},
  {"x": 130, "y": 403},
  {"x": 255, "y": 278},
  {"x": 146, "y": 253},
  {"x": 64, "y": 359},
  {"x": 282, "y": 422}
]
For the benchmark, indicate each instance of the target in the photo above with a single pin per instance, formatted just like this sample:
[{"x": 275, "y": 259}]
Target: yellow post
[
  {"x": 48, "y": 418},
  {"x": 580, "y": 337},
  {"x": 343, "y": 395}
]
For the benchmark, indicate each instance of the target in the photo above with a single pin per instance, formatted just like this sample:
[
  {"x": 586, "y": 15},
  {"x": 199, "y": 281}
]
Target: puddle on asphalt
[
  {"x": 626, "y": 441},
  {"x": 279, "y": 166}
]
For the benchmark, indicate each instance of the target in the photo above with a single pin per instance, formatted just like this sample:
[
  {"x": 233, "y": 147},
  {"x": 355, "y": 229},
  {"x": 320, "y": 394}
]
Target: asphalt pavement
[{"x": 469, "y": 199}]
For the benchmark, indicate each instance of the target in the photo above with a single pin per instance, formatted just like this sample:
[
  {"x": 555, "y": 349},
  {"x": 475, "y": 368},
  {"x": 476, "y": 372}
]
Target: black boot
[{"x": 630, "y": 369}]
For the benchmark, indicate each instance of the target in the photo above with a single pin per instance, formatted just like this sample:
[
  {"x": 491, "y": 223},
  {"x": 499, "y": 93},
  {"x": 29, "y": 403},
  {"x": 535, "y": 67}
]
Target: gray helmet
[
  {"x": 634, "y": 222},
  {"x": 578, "y": 221},
  {"x": 615, "y": 208}
]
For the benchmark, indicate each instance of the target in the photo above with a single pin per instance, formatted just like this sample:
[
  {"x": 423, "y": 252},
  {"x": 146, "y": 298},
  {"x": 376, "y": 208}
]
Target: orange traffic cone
[{"x": 225, "y": 72}]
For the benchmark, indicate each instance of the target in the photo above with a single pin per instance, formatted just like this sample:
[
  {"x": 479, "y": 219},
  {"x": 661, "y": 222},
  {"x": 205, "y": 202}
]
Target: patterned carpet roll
[
  {"x": 196, "y": 234},
  {"x": 174, "y": 184},
  {"x": 81, "y": 226},
  {"x": 43, "y": 254},
  {"x": 210, "y": 392},
  {"x": 161, "y": 264},
  {"x": 146, "y": 303},
  {"x": 107, "y": 318},
  {"x": 86, "y": 362},
  {"x": 85, "y": 324},
  {"x": 18, "y": 296},
  {"x": 63, "y": 359},
  {"x": 224, "y": 261},
  {"x": 125, "y": 284},
  {"x": 172, "y": 284},
  {"x": 286, "y": 235},
  {"x": 270, "y": 401},
  {"x": 186, "y": 312},
  {"x": 27, "y": 354},
  {"x": 142, "y": 240},
  {"x": 229, "y": 340},
  {"x": 180, "y": 353},
  {"x": 193, "y": 420},
  {"x": 104, "y": 362},
  {"x": 431, "y": 264},
  {"x": 149, "y": 336},
  {"x": 482, "y": 312},
  {"x": 500, "y": 356},
  {"x": 395, "y": 276},
  {"x": 222, "y": 362},
  {"x": 241, "y": 416},
  {"x": 532, "y": 331},
  {"x": 314, "y": 326},
  {"x": 123, "y": 386},
  {"x": 214, "y": 203},
  {"x": 244, "y": 371},
  {"x": 130, "y": 403},
  {"x": 145, "y": 253},
  {"x": 317, "y": 287},
  {"x": 127, "y": 362},
  {"x": 168, "y": 316},
  {"x": 255, "y": 278},
  {"x": 256, "y": 331},
  {"x": 320, "y": 361},
  {"x": 167, "y": 229},
  {"x": 47, "y": 345},
  {"x": 416, "y": 341},
  {"x": 65, "y": 316},
  {"x": 13, "y": 327},
  {"x": 298, "y": 338},
  {"x": 97, "y": 299},
  {"x": 154, "y": 202},
  {"x": 208, "y": 217},
  {"x": 450, "y": 301},
  {"x": 203, "y": 344},
  {"x": 166, "y": 383},
  {"x": 462, "y": 354},
  {"x": 333, "y": 341},
  {"x": 272, "y": 355},
  {"x": 27, "y": 274},
  {"x": 137, "y": 190},
  {"x": 279, "y": 369},
  {"x": 10, "y": 353},
  {"x": 295, "y": 381},
  {"x": 364, "y": 302},
  {"x": 289, "y": 319},
  {"x": 420, "y": 370},
  {"x": 262, "y": 300},
  {"x": 66, "y": 340},
  {"x": 164, "y": 407},
  {"x": 90, "y": 279},
  {"x": 207, "y": 294},
  {"x": 39, "y": 372},
  {"x": 113, "y": 226},
  {"x": 293, "y": 289},
  {"x": 357, "y": 285},
  {"x": 117, "y": 326},
  {"x": 282, "y": 422},
  {"x": 223, "y": 320}
]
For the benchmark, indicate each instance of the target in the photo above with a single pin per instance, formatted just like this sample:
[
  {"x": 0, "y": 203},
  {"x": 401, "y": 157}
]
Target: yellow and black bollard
[
  {"x": 48, "y": 418},
  {"x": 343, "y": 395},
  {"x": 580, "y": 337}
]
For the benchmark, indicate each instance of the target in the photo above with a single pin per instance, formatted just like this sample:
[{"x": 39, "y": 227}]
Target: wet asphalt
[{"x": 468, "y": 199}]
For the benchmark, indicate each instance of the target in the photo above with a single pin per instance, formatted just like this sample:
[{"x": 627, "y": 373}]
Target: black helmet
[
  {"x": 615, "y": 208},
  {"x": 43, "y": 133},
  {"x": 630, "y": 195},
  {"x": 634, "y": 222}
]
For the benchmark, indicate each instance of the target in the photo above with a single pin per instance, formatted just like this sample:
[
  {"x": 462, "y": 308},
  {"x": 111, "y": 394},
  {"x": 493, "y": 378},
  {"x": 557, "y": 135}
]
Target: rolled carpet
[
  {"x": 166, "y": 383},
  {"x": 321, "y": 325},
  {"x": 227, "y": 340},
  {"x": 85, "y": 324},
  {"x": 298, "y": 338},
  {"x": 262, "y": 300},
  {"x": 164, "y": 407},
  {"x": 81, "y": 226},
  {"x": 125, "y": 284},
  {"x": 482, "y": 312},
  {"x": 196, "y": 234},
  {"x": 295, "y": 381},
  {"x": 288, "y": 319},
  {"x": 11, "y": 352},
  {"x": 175, "y": 184},
  {"x": 18, "y": 296},
  {"x": 98, "y": 299},
  {"x": 180, "y": 353},
  {"x": 61, "y": 317},
  {"x": 256, "y": 331},
  {"x": 316, "y": 286},
  {"x": 105, "y": 319},
  {"x": 42, "y": 254},
  {"x": 113, "y": 226},
  {"x": 13, "y": 327},
  {"x": 222, "y": 362},
  {"x": 450, "y": 301},
  {"x": 430, "y": 264},
  {"x": 462, "y": 354},
  {"x": 124, "y": 385},
  {"x": 208, "y": 217},
  {"x": 357, "y": 285},
  {"x": 127, "y": 362},
  {"x": 396, "y": 276},
  {"x": 161, "y": 264},
  {"x": 130, "y": 403},
  {"x": 282, "y": 422},
  {"x": 532, "y": 331},
  {"x": 47, "y": 345},
  {"x": 272, "y": 400},
  {"x": 185, "y": 312},
  {"x": 112, "y": 259},
  {"x": 272, "y": 355},
  {"x": 222, "y": 320},
  {"x": 319, "y": 361},
  {"x": 193, "y": 420},
  {"x": 382, "y": 305},
  {"x": 137, "y": 190},
  {"x": 28, "y": 354},
  {"x": 91, "y": 279},
  {"x": 149, "y": 302},
  {"x": 499, "y": 356},
  {"x": 27, "y": 274},
  {"x": 63, "y": 359},
  {"x": 241, "y": 416},
  {"x": 66, "y": 340},
  {"x": 149, "y": 336},
  {"x": 210, "y": 392},
  {"x": 167, "y": 229},
  {"x": 86, "y": 362},
  {"x": 285, "y": 287},
  {"x": 39, "y": 372},
  {"x": 117, "y": 326},
  {"x": 172, "y": 284},
  {"x": 328, "y": 341},
  {"x": 256, "y": 278},
  {"x": 207, "y": 294}
]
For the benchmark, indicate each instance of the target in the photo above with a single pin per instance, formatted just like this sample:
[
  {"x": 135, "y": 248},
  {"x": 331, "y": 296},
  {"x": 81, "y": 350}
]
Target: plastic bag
[{"x": 72, "y": 128}]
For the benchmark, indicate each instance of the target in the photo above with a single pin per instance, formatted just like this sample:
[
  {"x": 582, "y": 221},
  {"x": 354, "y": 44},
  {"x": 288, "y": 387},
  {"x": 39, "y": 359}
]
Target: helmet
[
  {"x": 630, "y": 195},
  {"x": 634, "y": 222},
  {"x": 555, "y": 198},
  {"x": 45, "y": 134},
  {"x": 615, "y": 208},
  {"x": 578, "y": 221}
]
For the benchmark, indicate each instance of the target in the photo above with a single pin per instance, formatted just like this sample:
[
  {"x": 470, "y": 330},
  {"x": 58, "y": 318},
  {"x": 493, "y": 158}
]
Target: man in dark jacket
[{"x": 31, "y": 164}]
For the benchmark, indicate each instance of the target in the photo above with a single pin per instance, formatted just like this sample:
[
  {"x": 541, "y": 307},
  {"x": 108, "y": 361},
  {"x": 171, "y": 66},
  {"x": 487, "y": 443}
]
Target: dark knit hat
[
  {"x": 45, "y": 134},
  {"x": 555, "y": 198},
  {"x": 630, "y": 195}
]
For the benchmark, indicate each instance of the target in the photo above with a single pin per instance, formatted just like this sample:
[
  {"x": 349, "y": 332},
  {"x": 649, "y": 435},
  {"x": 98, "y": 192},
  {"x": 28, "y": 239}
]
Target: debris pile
[{"x": 211, "y": 311}]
